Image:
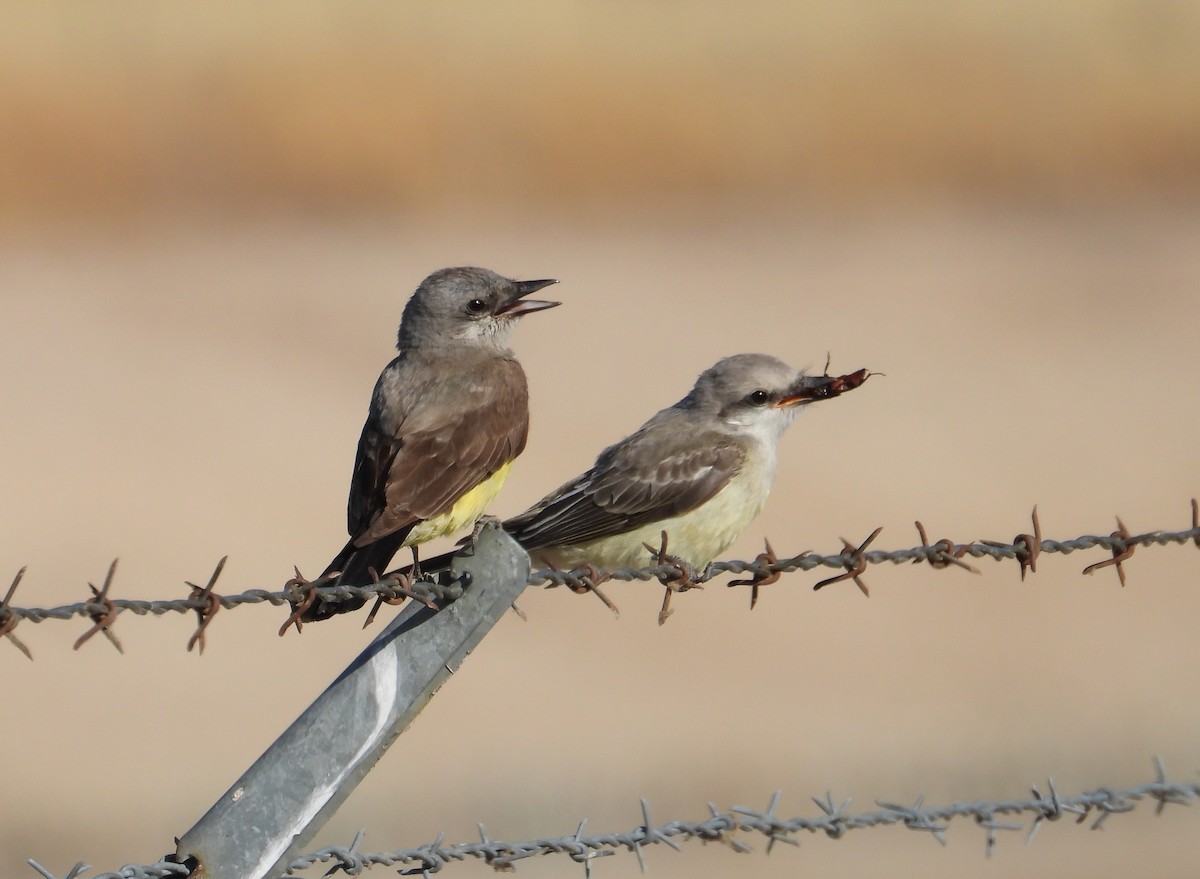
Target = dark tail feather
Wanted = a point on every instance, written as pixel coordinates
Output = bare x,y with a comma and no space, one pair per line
354,563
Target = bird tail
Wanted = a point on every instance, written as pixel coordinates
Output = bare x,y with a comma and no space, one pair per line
354,563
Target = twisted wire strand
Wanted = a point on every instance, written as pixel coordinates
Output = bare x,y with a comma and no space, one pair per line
760,567
835,820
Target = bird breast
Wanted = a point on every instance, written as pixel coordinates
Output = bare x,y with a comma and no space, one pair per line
697,536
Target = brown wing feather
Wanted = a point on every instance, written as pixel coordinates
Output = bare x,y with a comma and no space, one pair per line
628,488
420,472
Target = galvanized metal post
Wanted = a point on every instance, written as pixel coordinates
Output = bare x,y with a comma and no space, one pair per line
269,814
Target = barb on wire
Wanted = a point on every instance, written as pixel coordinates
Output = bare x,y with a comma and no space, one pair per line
765,559
106,615
1121,553
212,604
680,576
855,562
9,618
588,578
943,552
833,821
1026,546
766,568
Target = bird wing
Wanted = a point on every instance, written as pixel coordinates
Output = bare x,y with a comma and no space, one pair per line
449,439
653,475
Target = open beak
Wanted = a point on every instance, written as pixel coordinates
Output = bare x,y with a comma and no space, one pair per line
517,304
796,398
808,388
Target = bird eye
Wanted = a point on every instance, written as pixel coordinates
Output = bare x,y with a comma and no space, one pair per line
477,306
759,397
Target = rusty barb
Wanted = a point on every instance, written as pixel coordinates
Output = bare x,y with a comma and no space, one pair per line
586,579
675,576
211,604
855,562
766,573
1026,547
678,575
1123,547
9,618
105,614
393,587
943,552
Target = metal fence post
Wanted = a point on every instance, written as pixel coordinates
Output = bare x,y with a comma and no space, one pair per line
269,814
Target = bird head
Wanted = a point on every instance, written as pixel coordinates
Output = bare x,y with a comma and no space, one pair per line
467,306
760,394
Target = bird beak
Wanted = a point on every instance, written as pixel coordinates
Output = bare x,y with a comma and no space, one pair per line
518,305
796,398
808,388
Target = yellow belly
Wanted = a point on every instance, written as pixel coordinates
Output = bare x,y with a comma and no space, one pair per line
465,511
697,536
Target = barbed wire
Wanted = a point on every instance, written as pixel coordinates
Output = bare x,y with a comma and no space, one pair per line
835,821
676,576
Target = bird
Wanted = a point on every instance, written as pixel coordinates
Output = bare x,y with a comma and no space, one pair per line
695,474
447,418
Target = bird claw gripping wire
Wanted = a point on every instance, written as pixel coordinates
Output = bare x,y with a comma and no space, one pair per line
684,579
102,619
856,564
212,604
9,619
763,576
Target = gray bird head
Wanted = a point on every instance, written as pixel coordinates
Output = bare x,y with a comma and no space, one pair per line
752,393
467,306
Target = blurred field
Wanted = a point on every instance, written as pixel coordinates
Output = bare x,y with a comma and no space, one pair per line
116,108
195,392
213,218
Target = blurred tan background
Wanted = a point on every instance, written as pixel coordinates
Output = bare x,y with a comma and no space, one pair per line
212,215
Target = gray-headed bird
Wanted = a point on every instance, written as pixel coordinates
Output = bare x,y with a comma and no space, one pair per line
447,418
700,471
